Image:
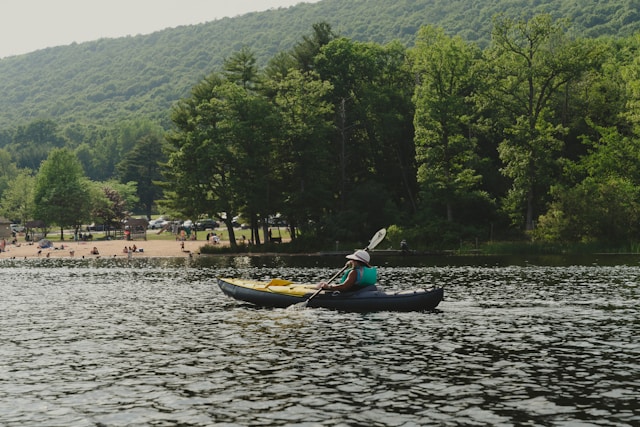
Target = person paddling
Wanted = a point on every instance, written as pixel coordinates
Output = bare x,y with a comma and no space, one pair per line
359,276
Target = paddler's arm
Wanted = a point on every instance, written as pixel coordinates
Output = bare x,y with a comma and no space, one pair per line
344,286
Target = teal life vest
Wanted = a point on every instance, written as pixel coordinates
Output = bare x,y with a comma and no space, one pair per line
366,276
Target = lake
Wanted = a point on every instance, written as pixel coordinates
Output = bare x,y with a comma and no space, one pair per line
543,341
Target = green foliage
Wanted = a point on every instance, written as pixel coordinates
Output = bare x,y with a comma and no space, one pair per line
17,198
373,138
446,154
110,202
8,170
438,235
304,53
199,174
61,194
345,134
603,206
528,64
302,156
31,143
141,165
594,210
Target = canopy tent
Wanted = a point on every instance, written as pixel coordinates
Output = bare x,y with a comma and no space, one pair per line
45,243
136,228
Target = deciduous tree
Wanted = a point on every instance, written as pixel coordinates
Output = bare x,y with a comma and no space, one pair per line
142,166
17,199
302,156
528,63
197,172
444,68
373,140
61,194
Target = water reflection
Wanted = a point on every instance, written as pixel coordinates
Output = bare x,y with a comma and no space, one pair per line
106,342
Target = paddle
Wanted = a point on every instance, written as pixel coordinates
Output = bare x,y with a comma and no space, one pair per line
375,240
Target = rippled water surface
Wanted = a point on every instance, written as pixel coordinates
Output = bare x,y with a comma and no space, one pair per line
155,342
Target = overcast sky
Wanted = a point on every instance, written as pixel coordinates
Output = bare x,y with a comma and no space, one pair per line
28,25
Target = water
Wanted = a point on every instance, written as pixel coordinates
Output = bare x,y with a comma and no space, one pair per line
155,342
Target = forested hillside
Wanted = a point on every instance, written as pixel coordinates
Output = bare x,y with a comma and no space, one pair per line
110,79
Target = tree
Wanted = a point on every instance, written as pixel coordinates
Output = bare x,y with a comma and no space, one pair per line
605,204
8,170
110,202
32,142
142,165
221,148
241,69
197,171
528,63
110,146
61,194
248,126
605,210
630,77
305,52
17,199
446,151
302,154
598,197
373,137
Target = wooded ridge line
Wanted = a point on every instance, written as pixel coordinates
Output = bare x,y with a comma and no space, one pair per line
142,76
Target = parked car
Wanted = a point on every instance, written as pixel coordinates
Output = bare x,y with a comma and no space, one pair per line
206,224
157,223
95,227
17,228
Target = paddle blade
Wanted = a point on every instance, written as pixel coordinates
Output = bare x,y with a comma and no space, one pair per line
377,238
298,306
302,305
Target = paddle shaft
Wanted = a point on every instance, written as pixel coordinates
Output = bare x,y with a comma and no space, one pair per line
329,281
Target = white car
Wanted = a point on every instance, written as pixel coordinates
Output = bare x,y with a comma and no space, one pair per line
157,223
17,228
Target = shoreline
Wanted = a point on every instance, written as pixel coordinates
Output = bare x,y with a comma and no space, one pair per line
106,249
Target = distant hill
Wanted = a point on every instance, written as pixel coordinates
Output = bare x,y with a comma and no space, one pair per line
110,79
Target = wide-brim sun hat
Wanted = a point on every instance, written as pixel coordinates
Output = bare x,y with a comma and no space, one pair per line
362,256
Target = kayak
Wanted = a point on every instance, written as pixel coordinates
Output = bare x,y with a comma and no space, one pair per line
279,293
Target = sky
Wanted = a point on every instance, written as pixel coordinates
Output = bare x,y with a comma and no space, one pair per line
29,25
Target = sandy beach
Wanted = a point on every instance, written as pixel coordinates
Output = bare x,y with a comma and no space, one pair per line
106,249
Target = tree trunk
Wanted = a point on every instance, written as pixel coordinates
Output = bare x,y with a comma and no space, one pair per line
232,236
529,222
